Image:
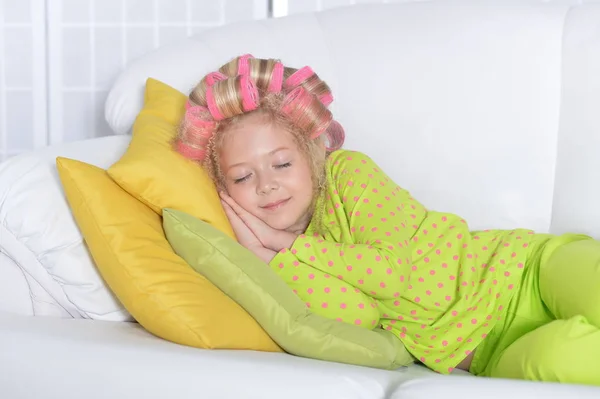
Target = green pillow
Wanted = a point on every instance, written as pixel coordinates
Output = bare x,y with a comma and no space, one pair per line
264,295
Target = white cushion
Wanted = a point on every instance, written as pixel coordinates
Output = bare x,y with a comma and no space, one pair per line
14,292
576,205
121,360
40,237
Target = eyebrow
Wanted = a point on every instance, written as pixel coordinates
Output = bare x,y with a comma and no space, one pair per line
277,150
270,153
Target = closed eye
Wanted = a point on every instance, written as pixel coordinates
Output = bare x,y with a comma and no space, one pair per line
285,165
241,179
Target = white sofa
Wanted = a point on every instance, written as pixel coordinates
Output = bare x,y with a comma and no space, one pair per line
489,112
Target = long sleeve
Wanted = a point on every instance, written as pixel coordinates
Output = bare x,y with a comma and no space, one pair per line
377,219
326,295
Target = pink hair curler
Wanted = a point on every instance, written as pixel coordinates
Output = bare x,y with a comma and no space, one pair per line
298,98
190,152
322,127
243,64
298,77
326,99
249,93
214,77
294,106
212,105
335,136
200,117
276,79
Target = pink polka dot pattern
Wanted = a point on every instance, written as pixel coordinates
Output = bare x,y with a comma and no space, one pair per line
385,261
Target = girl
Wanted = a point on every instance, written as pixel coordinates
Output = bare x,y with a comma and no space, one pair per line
359,249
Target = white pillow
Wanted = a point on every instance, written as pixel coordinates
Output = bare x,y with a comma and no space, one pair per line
40,236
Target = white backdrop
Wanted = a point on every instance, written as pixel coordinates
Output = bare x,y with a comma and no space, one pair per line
58,58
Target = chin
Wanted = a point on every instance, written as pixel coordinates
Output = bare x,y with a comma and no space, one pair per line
280,223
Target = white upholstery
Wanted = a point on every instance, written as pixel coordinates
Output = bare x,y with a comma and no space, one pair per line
490,112
577,179
39,238
74,359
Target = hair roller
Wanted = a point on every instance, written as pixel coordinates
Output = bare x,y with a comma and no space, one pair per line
335,136
189,152
276,82
212,105
298,77
306,112
213,78
231,97
199,117
243,65
195,132
295,100
326,99
198,94
249,93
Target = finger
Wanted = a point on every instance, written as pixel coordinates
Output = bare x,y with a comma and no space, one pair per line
225,204
236,222
255,224
231,202
243,233
249,219
246,216
234,205
231,214
224,195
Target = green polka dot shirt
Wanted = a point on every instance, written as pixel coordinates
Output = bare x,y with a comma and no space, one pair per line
380,259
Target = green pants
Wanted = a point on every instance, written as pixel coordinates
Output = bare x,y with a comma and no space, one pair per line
551,331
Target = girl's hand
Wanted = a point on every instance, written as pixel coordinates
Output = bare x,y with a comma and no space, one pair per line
269,237
265,254
246,237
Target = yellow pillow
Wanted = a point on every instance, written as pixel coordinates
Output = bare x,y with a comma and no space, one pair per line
155,174
158,288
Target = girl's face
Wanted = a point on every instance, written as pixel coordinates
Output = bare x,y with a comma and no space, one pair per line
266,173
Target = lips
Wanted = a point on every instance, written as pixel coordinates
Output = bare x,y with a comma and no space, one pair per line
275,205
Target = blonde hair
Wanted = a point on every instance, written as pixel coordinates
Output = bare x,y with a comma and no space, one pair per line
296,100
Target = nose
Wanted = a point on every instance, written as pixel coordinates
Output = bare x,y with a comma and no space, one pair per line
267,183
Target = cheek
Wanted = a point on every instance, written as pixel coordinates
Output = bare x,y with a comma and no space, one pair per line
303,180
242,194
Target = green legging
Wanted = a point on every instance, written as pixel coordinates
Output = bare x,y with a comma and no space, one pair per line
551,331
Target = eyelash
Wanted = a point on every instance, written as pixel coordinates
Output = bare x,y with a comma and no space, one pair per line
243,179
